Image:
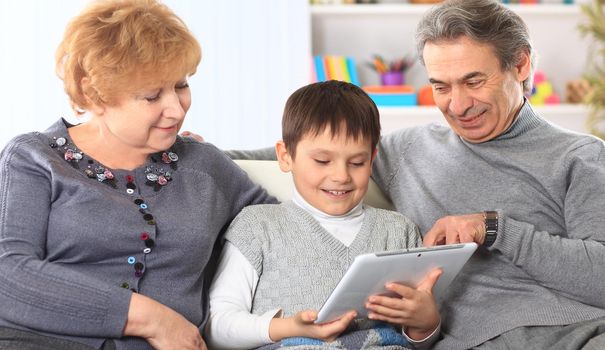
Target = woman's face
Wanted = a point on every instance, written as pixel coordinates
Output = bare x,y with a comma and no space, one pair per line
148,120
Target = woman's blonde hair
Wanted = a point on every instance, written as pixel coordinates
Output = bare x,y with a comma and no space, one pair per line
121,46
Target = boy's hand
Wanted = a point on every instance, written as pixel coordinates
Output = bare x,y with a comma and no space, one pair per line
415,309
301,325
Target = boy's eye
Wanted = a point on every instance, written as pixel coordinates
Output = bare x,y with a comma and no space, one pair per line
322,162
358,164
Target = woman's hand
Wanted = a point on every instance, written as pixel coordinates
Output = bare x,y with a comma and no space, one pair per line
162,327
301,325
415,308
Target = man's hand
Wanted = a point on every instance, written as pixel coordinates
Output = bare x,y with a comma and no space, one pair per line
301,325
192,135
457,229
413,308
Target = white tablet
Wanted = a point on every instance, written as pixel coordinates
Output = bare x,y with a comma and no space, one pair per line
369,273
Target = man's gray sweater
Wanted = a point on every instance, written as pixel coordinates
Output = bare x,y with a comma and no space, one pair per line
547,266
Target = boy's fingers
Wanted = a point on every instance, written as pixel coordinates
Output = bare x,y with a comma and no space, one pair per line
308,316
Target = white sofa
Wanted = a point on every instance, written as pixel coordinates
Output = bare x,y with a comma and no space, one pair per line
279,184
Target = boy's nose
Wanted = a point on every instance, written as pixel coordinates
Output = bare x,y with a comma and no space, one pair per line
341,174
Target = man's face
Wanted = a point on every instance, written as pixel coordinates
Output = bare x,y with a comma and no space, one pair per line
478,99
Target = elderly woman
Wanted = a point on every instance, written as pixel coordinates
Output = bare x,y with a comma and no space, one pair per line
107,227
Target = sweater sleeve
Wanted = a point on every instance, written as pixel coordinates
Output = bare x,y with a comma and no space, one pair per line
238,188
34,292
386,165
573,262
232,325
267,153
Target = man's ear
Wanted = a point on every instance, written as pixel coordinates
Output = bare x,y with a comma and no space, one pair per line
283,157
523,66
87,90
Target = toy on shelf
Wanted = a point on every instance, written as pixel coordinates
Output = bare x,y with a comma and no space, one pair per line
393,73
542,91
392,95
577,91
425,96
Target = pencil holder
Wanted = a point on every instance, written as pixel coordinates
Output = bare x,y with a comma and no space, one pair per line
392,78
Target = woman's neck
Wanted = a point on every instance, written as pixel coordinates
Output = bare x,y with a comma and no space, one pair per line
97,142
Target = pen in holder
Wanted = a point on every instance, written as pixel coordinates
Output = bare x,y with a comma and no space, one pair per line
393,73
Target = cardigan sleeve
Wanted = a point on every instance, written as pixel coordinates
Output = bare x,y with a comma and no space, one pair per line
36,293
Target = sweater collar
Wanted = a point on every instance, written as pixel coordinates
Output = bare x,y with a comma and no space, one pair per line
525,121
319,215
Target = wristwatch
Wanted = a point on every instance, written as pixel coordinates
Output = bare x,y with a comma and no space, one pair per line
491,227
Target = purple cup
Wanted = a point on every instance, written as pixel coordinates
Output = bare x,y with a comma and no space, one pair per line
392,78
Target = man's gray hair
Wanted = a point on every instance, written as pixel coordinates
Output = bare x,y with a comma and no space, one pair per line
484,21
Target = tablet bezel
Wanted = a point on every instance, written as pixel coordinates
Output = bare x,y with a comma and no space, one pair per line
407,266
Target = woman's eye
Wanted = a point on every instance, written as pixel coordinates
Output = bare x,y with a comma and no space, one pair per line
153,98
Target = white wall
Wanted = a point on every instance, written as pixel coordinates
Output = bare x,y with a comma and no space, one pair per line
255,53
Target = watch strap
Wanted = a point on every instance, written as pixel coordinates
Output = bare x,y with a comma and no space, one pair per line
491,227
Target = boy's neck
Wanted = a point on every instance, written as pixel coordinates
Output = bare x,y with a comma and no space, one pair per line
299,200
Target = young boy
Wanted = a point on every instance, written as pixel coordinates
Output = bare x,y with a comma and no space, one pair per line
280,262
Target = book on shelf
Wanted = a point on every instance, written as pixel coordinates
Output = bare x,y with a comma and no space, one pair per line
332,67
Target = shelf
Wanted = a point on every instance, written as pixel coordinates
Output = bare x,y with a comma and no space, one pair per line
405,9
569,116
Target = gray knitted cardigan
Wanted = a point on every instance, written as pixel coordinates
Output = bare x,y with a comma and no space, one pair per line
73,248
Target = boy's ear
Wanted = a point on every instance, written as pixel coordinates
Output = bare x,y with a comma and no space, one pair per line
283,157
373,159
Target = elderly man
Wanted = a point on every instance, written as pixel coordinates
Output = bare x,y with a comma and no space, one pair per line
538,280
531,194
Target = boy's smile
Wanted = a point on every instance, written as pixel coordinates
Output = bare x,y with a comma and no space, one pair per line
330,173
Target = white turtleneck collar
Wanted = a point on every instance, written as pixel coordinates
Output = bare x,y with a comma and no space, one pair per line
343,227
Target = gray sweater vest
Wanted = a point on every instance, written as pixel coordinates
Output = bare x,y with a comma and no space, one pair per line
298,262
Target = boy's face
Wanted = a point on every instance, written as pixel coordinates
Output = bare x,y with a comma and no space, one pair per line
331,174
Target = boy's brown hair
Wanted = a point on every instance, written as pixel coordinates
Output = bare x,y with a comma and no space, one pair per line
335,104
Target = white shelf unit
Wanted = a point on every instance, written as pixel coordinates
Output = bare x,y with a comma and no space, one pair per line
388,29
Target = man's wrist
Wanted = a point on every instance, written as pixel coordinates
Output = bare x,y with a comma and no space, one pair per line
491,227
